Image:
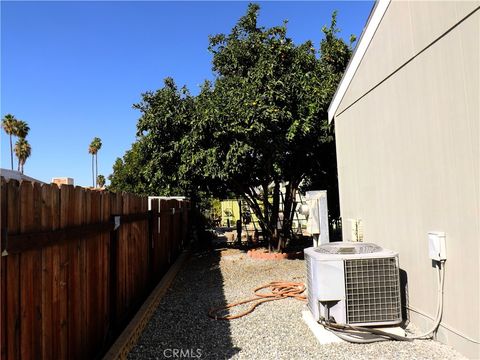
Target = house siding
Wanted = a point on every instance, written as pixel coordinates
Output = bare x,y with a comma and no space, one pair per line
408,154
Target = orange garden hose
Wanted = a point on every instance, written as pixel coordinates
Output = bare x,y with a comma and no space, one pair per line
279,290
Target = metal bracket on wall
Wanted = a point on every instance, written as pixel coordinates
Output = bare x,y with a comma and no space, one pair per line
4,241
116,220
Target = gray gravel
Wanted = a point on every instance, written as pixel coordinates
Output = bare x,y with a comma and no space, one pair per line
180,327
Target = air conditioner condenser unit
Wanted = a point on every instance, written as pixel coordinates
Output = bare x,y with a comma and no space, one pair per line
354,283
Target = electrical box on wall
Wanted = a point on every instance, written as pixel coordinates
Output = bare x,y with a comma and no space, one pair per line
436,245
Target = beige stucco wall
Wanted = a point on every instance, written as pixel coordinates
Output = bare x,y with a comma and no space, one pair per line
409,154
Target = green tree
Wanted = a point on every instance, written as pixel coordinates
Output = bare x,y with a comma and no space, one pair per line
23,151
261,124
101,181
152,165
127,173
335,55
9,125
98,145
21,129
22,147
93,149
268,108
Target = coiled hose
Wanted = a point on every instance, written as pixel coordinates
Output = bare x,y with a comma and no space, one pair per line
279,290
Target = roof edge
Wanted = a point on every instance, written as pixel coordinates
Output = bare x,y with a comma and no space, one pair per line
367,35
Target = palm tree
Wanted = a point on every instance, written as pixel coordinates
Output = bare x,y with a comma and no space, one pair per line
92,150
9,125
101,181
23,151
98,145
21,129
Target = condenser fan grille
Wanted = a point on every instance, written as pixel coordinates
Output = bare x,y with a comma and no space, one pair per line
372,290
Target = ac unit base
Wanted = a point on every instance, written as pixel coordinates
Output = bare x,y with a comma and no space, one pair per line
354,283
325,336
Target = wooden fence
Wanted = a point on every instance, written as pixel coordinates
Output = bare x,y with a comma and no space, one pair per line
76,264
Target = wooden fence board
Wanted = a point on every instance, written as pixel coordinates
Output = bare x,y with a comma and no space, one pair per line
3,315
69,267
13,273
104,253
66,292
46,223
36,275
60,276
172,231
156,266
3,273
127,250
164,234
27,274
81,194
91,275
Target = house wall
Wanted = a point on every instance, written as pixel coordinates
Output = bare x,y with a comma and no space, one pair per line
408,154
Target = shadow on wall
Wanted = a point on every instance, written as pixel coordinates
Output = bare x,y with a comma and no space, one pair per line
404,296
180,327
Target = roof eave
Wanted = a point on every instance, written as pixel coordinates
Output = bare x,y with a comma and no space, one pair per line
362,45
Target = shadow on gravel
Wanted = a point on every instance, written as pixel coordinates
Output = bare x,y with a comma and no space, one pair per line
180,327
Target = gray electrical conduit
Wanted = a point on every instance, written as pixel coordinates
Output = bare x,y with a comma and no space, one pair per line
363,335
448,327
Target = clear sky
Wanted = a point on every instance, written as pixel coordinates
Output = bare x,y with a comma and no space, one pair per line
72,70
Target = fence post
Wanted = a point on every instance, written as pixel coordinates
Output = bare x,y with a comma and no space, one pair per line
181,229
113,279
151,251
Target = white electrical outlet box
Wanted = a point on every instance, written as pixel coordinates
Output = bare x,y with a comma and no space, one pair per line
436,245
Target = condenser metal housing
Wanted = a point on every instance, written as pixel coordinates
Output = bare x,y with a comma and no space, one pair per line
354,283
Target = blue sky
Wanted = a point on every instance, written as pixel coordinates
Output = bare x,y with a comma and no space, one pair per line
72,70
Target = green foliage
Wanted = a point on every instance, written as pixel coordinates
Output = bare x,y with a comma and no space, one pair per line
152,165
214,209
19,128
101,181
262,122
127,173
14,127
9,124
93,149
23,151
94,146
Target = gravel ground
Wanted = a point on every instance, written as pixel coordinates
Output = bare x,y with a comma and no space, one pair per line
180,327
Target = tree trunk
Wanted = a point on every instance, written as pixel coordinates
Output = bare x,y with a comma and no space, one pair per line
96,170
11,151
268,218
275,206
268,213
274,217
253,204
239,225
93,173
288,210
